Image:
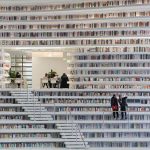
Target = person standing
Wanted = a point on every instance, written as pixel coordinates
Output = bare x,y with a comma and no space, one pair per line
123,105
114,106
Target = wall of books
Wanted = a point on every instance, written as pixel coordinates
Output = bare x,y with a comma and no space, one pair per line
109,54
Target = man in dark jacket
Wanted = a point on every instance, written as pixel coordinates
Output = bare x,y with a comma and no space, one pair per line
123,105
114,106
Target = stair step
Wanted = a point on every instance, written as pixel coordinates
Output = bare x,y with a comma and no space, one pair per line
41,119
71,137
75,146
66,125
32,108
21,92
66,128
25,95
31,102
40,115
76,143
40,111
27,99
72,133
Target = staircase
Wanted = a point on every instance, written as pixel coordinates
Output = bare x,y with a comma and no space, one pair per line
72,136
70,132
38,113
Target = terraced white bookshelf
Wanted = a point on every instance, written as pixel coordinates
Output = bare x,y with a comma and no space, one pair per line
108,47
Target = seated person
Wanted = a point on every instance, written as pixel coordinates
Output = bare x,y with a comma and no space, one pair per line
64,80
18,75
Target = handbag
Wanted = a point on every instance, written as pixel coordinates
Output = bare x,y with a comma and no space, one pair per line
114,107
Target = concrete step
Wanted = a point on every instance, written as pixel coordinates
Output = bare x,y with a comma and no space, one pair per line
71,137
22,95
72,134
40,115
66,125
37,108
76,143
28,102
21,92
41,119
76,146
40,111
27,99
66,128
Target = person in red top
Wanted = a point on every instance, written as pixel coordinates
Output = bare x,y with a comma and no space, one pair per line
114,106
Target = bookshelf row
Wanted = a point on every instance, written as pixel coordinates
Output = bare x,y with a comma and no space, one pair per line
73,42
101,109
14,117
78,79
90,101
25,145
93,117
87,92
116,135
72,5
121,144
109,56
87,26
85,125
74,34
106,50
103,118
79,101
10,109
116,86
23,126
78,108
76,16
115,126
110,72
24,135
91,135
109,64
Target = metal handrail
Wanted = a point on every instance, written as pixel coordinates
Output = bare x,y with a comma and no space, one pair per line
77,127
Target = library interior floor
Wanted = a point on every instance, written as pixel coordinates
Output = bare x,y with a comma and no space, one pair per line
102,46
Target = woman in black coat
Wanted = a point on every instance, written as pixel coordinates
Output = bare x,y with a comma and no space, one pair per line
64,80
114,106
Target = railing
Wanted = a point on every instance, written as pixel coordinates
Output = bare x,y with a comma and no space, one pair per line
77,130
